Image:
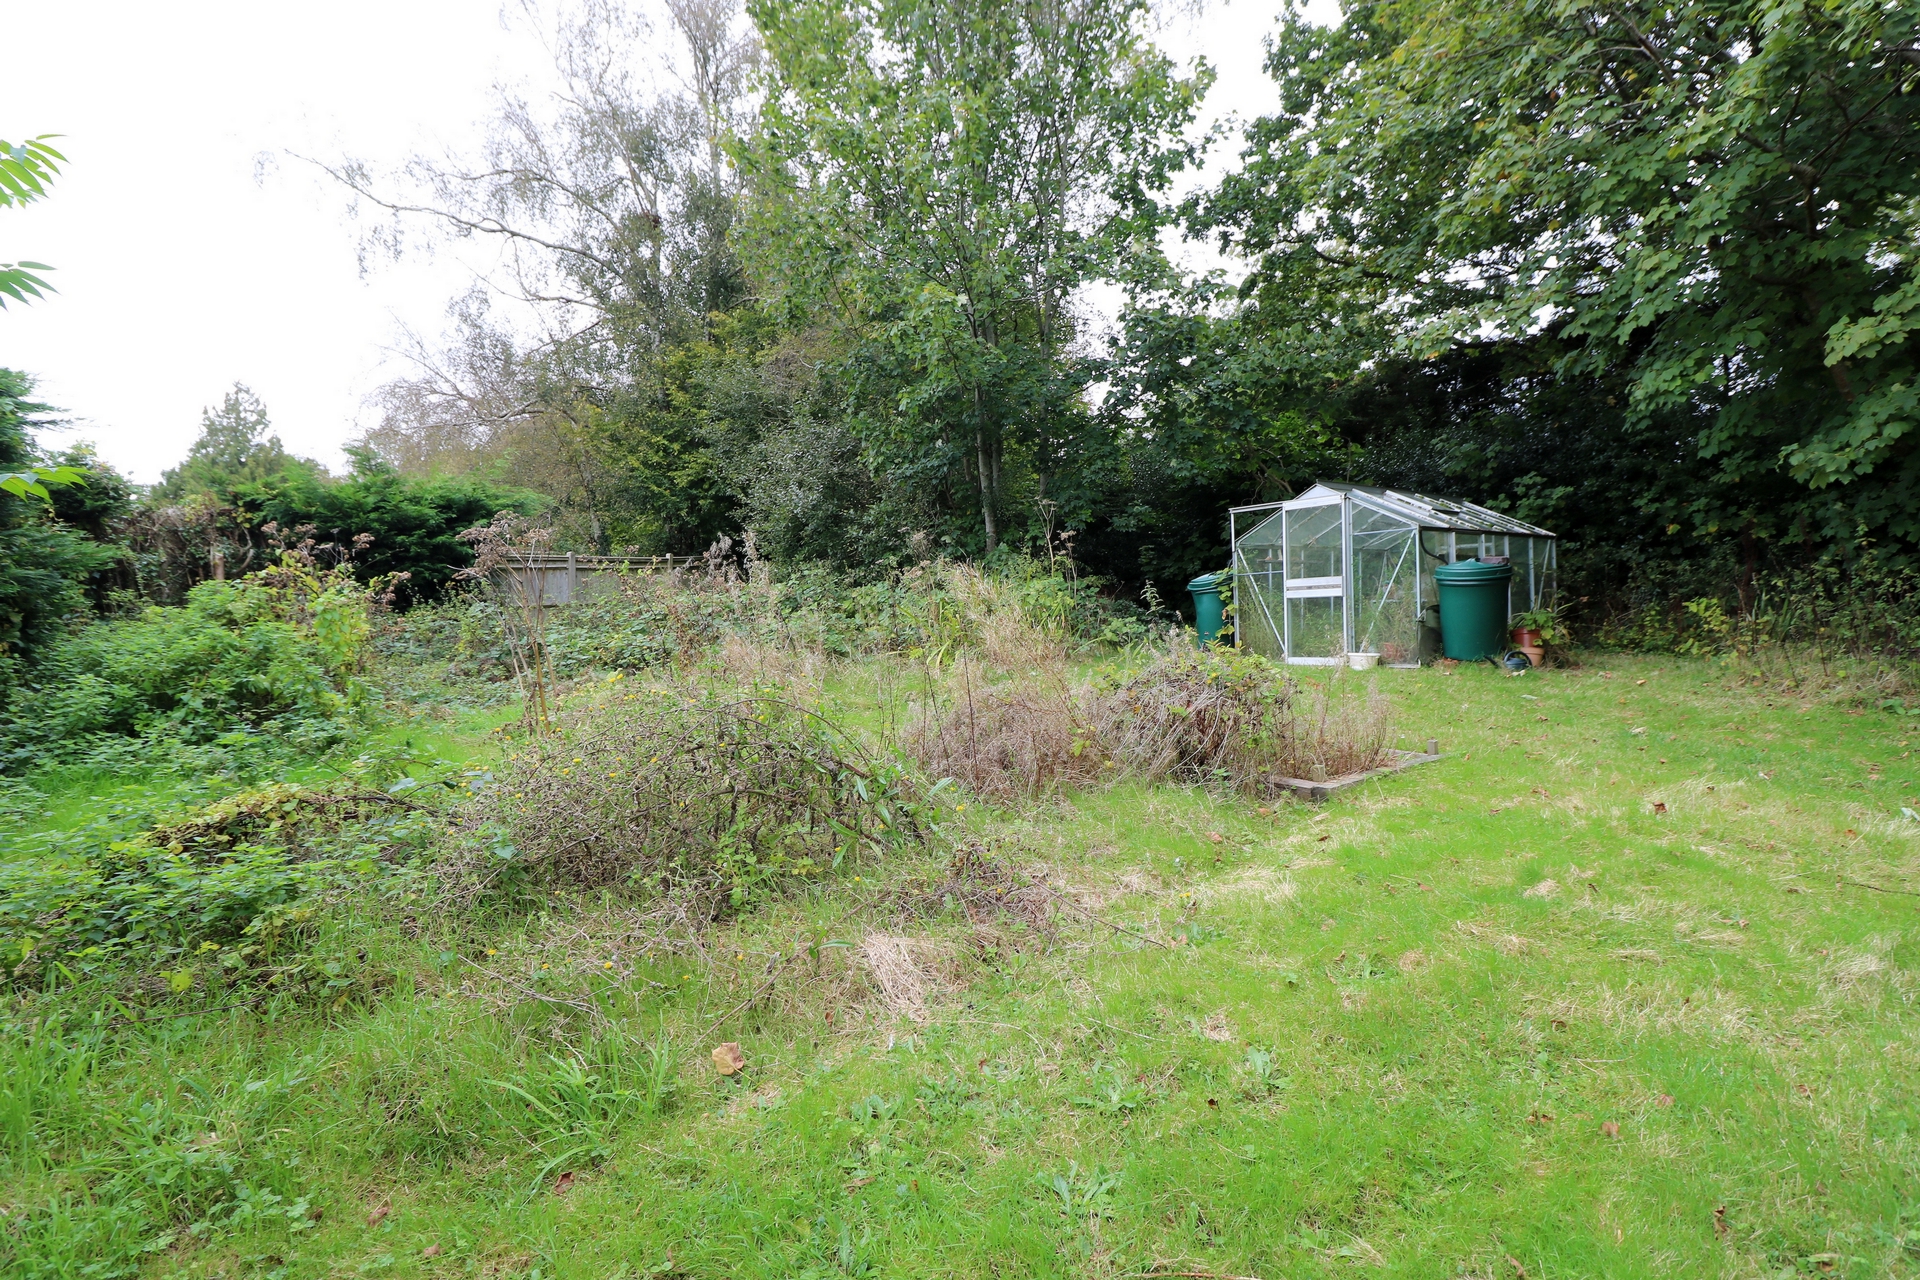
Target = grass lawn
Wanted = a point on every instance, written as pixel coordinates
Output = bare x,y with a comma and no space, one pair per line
1602,993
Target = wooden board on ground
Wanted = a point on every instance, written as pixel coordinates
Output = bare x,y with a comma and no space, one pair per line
1315,792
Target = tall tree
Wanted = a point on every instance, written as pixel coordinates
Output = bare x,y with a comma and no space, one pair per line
1715,202
236,445
943,177
612,203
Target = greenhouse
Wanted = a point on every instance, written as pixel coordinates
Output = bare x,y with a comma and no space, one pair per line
1348,569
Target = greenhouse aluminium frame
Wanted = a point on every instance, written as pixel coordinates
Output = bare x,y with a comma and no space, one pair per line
1347,568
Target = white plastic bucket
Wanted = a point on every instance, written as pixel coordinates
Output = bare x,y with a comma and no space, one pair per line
1363,661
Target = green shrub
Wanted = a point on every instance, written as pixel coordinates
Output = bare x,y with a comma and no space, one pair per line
275,653
414,525
224,892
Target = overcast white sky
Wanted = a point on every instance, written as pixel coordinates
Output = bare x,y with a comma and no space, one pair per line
192,250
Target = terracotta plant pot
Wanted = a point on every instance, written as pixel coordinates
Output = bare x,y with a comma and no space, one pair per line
1527,641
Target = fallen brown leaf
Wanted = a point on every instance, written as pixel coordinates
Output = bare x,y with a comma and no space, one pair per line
1664,1100
1609,1128
1720,1227
562,1183
1215,836
431,1251
379,1215
1660,806
728,1059
1520,1272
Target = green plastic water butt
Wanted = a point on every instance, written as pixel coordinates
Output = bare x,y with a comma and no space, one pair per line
1209,613
1473,609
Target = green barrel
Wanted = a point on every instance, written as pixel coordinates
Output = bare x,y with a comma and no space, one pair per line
1209,615
1473,609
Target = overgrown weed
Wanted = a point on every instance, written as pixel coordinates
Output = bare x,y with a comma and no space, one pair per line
1021,739
1220,717
713,796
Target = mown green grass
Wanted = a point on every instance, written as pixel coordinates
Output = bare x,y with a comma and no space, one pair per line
1310,1041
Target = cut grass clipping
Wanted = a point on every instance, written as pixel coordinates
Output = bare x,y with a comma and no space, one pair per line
714,798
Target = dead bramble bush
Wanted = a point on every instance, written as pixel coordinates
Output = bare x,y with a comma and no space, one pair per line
715,797
1013,741
1223,717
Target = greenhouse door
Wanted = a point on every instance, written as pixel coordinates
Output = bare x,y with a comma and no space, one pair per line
1316,582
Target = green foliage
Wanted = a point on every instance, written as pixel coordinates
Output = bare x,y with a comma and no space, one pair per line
27,168
234,447
275,653
940,178
230,892
1704,210
44,564
414,525
1206,410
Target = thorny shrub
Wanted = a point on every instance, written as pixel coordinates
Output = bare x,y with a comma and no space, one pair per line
1224,717
1023,738
275,654
718,797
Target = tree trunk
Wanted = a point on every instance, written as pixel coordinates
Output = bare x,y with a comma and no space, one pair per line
987,468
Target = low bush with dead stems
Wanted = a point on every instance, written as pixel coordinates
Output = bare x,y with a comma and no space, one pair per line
713,796
1215,717
1222,717
1019,739
1196,716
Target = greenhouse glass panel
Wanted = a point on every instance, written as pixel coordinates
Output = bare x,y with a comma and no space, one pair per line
1313,542
1385,565
1316,627
1259,565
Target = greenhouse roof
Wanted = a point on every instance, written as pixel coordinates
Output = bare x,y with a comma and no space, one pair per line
1425,511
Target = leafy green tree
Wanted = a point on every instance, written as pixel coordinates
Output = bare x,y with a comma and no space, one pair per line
27,168
1716,205
44,565
942,178
414,525
1206,409
235,446
612,204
